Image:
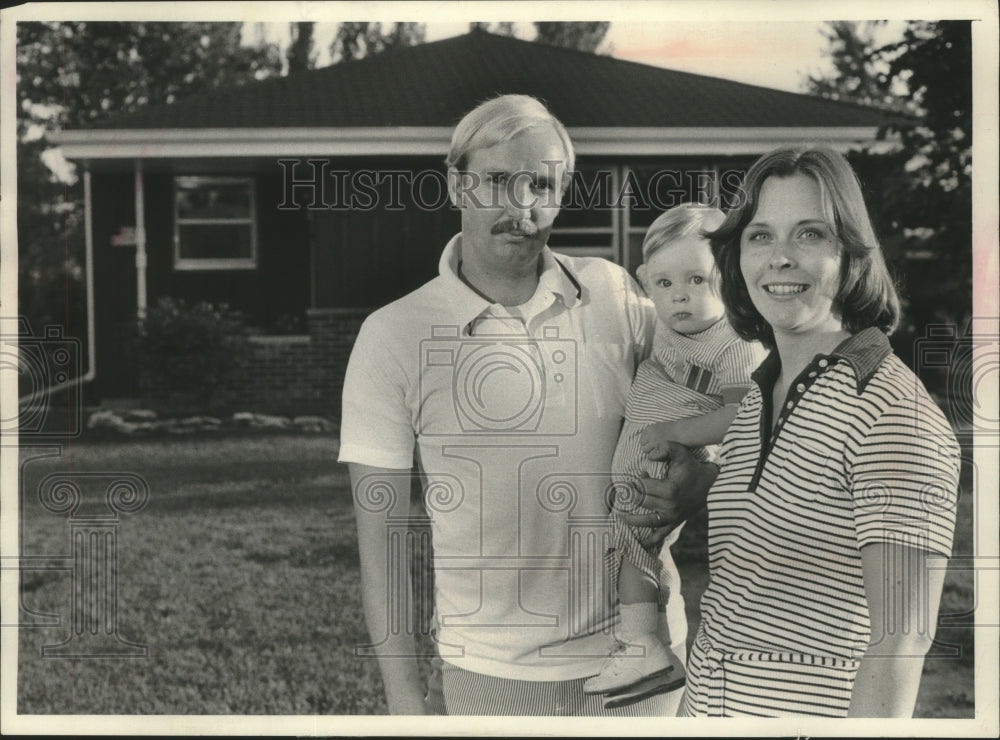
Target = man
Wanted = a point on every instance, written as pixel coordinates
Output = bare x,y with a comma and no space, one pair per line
506,376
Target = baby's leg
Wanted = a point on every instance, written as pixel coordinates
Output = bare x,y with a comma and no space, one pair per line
643,665
639,597
636,587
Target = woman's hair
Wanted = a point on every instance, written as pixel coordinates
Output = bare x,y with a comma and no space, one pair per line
501,119
867,294
677,223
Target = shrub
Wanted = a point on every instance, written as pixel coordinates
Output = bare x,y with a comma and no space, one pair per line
187,353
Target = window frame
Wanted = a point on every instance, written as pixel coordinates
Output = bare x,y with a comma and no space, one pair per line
612,250
215,263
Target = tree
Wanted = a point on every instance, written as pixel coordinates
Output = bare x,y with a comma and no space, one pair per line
71,74
918,176
585,36
355,40
300,54
90,70
861,73
503,28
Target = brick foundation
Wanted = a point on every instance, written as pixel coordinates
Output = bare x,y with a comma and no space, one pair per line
290,375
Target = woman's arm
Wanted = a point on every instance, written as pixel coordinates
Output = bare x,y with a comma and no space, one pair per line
903,589
904,481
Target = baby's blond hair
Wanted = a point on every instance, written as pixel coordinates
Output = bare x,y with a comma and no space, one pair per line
678,222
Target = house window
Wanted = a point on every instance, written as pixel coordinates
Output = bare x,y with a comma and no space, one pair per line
587,225
214,225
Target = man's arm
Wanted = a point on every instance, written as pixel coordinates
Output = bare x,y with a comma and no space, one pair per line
903,594
378,494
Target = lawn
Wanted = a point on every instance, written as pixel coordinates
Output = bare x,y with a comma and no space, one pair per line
241,577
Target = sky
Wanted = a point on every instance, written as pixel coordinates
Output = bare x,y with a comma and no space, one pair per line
776,54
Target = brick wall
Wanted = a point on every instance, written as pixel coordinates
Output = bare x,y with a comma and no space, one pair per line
332,332
301,375
288,375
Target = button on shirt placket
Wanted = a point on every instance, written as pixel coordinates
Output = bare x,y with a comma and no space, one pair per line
797,390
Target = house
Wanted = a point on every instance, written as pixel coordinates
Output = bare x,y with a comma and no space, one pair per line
307,201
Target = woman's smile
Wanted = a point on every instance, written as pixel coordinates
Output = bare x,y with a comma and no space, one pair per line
785,289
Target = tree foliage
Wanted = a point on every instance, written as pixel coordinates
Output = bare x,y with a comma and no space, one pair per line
918,175
860,72
70,75
355,40
90,70
503,28
585,36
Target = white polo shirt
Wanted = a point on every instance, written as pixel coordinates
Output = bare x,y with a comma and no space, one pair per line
513,415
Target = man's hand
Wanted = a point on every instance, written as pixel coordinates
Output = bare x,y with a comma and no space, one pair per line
675,498
406,702
656,438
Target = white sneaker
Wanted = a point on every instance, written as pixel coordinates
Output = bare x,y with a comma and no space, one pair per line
643,657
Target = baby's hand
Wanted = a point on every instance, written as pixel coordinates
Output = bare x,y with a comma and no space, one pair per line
655,439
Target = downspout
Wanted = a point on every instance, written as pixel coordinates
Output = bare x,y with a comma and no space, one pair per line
88,238
140,244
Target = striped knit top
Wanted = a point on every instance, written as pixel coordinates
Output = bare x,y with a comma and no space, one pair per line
859,454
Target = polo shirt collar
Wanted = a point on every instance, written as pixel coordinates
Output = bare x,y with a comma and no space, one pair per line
863,351
767,372
559,280
556,278
467,304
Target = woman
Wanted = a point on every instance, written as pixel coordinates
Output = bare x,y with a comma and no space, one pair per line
839,474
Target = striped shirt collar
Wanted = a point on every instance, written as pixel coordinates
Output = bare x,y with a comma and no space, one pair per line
556,278
710,341
863,351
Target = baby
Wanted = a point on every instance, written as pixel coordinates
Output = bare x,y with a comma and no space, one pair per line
687,391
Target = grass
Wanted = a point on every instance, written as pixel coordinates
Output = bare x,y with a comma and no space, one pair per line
241,576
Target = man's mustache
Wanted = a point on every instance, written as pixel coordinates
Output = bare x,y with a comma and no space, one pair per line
523,226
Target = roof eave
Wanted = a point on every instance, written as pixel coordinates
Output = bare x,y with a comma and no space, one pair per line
720,141
101,144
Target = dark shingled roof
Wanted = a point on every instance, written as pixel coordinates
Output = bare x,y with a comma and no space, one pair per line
435,84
